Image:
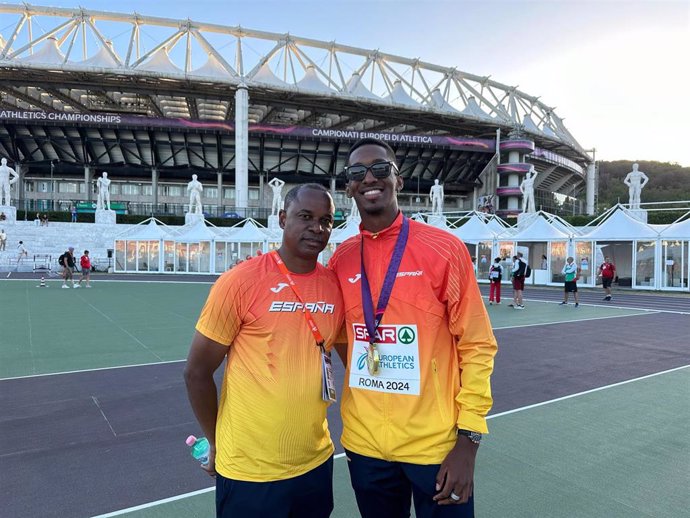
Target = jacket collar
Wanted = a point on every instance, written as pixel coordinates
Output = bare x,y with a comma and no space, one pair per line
391,231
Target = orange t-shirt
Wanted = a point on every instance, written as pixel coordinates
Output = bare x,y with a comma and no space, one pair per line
271,418
435,341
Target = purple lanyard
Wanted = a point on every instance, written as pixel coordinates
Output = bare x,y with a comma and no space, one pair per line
371,319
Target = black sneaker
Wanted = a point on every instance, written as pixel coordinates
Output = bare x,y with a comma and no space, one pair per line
577,304
511,305
563,304
607,298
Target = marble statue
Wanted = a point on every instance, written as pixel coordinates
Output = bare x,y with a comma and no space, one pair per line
103,201
354,212
436,198
527,190
277,187
8,177
194,188
635,180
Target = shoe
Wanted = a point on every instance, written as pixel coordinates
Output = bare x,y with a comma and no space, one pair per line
607,298
76,286
88,286
491,303
563,304
498,302
577,304
522,306
65,286
511,305
519,307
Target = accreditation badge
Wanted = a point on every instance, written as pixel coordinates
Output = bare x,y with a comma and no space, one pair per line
391,364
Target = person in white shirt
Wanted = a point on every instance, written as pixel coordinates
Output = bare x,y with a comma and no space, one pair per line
571,274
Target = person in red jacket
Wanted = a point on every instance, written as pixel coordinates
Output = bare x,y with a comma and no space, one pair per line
85,264
607,272
419,353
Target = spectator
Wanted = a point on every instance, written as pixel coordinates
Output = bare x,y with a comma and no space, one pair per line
571,274
21,253
44,220
544,263
518,274
2,216
3,240
85,263
66,260
37,219
607,271
495,278
74,214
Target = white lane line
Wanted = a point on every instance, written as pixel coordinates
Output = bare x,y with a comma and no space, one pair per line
598,389
575,321
31,336
98,405
91,370
171,499
599,305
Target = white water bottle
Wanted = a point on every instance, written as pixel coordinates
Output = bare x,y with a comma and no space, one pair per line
200,448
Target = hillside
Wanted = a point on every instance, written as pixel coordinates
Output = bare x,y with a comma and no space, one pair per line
667,182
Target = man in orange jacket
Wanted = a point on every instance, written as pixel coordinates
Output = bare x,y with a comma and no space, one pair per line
419,353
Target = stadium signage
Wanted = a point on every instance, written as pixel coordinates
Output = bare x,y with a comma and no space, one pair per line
60,116
473,144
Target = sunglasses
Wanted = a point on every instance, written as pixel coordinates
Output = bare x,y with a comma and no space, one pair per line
380,170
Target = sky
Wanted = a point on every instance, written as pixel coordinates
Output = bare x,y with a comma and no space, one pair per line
617,71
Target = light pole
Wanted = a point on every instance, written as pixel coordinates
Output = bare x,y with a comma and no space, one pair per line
418,200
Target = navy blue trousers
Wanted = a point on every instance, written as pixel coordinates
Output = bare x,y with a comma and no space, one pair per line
385,489
307,496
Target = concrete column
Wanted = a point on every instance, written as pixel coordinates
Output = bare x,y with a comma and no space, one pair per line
20,183
513,157
219,184
591,187
242,149
88,178
154,188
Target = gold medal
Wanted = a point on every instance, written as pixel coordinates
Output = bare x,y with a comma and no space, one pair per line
373,360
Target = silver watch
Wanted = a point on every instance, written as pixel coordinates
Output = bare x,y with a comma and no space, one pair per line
475,437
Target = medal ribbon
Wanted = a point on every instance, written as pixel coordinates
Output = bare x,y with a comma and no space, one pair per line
307,314
371,319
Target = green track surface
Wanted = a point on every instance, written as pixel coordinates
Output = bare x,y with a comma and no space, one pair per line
47,330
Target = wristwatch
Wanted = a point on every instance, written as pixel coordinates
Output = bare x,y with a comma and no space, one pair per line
475,437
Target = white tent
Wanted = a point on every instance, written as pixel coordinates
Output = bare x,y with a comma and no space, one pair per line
538,230
474,230
620,226
239,242
139,249
678,230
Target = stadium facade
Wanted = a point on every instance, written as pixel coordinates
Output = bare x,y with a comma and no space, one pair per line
153,100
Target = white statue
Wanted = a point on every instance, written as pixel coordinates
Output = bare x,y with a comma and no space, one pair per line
635,180
8,176
354,211
436,198
103,201
277,186
527,190
194,188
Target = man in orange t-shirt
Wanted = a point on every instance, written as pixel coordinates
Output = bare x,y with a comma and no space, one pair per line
271,451
417,393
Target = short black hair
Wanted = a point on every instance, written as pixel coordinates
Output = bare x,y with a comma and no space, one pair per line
369,141
294,193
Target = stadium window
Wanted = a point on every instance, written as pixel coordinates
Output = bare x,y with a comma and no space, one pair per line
211,192
229,193
174,190
29,186
253,194
67,187
147,190
114,188
130,189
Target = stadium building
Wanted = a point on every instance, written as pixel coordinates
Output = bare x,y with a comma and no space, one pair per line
152,100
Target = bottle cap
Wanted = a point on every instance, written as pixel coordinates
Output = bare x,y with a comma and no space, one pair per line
190,440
